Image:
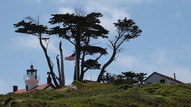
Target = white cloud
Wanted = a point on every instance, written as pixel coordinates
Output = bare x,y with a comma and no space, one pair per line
64,10
28,43
112,10
109,2
3,87
59,1
158,61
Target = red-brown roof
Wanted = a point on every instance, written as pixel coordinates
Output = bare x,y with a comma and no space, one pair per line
40,87
20,91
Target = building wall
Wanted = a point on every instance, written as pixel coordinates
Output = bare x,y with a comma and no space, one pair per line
31,84
155,78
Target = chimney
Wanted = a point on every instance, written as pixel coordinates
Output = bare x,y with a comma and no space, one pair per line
49,79
15,88
174,76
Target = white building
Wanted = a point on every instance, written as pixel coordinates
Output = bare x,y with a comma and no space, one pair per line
31,82
156,77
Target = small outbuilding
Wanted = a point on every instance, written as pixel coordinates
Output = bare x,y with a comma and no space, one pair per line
156,77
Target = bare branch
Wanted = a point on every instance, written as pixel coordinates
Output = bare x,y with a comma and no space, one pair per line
80,12
32,20
58,65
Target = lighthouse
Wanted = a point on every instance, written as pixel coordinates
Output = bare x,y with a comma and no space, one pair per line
31,80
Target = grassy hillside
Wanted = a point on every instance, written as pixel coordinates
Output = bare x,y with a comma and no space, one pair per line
96,94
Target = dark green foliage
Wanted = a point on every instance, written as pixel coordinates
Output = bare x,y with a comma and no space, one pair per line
108,78
141,77
96,94
80,30
78,84
126,78
125,86
30,28
33,27
130,77
120,81
90,50
92,64
74,24
128,28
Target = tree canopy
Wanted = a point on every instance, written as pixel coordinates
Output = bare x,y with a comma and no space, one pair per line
32,26
126,30
80,29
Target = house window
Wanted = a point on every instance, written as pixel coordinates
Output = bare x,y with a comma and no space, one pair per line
162,81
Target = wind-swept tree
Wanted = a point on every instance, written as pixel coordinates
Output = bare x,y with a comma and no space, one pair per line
80,30
31,26
130,77
126,30
141,77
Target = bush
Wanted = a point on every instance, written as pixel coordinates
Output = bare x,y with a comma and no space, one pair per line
125,86
78,84
119,82
97,94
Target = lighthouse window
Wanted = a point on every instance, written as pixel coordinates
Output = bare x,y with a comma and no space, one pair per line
27,87
31,73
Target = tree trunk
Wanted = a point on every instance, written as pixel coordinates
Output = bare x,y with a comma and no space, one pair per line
107,64
58,66
74,73
77,58
82,67
62,66
48,61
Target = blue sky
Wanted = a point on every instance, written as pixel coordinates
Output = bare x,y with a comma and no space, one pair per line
164,45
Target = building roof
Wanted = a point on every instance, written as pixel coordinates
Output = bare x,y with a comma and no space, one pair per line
44,86
40,87
20,91
31,69
167,77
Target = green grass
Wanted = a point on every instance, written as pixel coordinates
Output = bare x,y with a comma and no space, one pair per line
96,95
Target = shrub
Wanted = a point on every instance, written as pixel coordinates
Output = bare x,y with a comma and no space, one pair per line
124,86
78,84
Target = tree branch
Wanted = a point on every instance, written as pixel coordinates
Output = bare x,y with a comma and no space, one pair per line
62,65
48,61
58,66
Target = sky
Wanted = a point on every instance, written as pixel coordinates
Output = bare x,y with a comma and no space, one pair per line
164,45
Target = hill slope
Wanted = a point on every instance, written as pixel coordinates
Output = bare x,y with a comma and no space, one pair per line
96,94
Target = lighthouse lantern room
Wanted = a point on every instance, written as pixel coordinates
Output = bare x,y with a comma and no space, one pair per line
31,80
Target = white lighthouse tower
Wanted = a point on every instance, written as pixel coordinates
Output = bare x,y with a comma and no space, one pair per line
31,80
